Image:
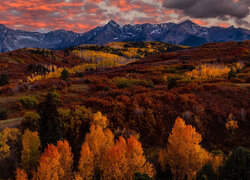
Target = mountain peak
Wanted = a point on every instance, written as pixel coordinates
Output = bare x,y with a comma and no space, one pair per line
187,22
2,26
231,27
112,23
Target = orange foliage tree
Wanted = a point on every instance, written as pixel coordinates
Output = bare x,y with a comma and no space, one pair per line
101,157
21,174
56,162
66,158
231,123
124,159
86,163
184,154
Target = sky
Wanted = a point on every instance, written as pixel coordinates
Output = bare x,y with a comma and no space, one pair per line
83,15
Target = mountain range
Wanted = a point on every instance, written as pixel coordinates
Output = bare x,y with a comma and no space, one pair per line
186,33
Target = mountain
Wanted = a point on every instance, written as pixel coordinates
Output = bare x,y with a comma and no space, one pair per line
185,33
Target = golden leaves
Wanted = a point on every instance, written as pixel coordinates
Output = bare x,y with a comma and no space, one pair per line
55,163
21,174
111,160
208,71
30,153
184,154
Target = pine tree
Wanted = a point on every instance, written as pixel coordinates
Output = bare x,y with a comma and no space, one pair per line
50,130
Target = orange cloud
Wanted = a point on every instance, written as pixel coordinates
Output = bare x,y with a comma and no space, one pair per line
223,24
200,22
77,16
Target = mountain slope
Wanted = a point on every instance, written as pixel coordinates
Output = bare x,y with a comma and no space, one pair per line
185,33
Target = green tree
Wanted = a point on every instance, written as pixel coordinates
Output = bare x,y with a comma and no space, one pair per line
172,83
3,114
139,176
30,121
4,79
50,130
207,172
237,165
28,102
65,75
231,74
75,123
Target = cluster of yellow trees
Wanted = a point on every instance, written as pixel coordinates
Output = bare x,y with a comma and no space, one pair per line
231,123
133,51
208,71
107,59
56,73
96,60
101,156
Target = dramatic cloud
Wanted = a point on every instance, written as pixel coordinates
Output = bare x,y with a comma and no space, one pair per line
221,9
83,15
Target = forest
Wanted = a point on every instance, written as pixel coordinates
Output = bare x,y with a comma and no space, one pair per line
126,110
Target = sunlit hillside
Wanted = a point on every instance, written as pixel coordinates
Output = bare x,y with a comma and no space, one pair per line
129,110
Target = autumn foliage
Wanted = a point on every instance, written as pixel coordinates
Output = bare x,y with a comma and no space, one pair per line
184,154
21,174
31,151
102,157
56,162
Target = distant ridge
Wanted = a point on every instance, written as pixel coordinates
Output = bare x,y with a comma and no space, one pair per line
185,33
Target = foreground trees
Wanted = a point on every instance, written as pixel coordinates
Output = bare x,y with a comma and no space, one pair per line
103,158
31,151
10,146
237,165
56,162
184,154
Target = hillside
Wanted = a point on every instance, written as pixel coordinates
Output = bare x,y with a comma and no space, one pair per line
130,96
16,63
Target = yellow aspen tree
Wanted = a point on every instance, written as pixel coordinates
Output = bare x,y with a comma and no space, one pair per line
184,154
100,120
98,140
86,163
115,162
49,165
30,153
66,159
136,158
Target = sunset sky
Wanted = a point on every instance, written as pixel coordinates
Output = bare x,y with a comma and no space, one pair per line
83,15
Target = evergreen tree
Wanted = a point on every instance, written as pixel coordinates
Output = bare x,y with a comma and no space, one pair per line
65,75
4,79
237,165
50,130
139,176
207,172
172,83
231,74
